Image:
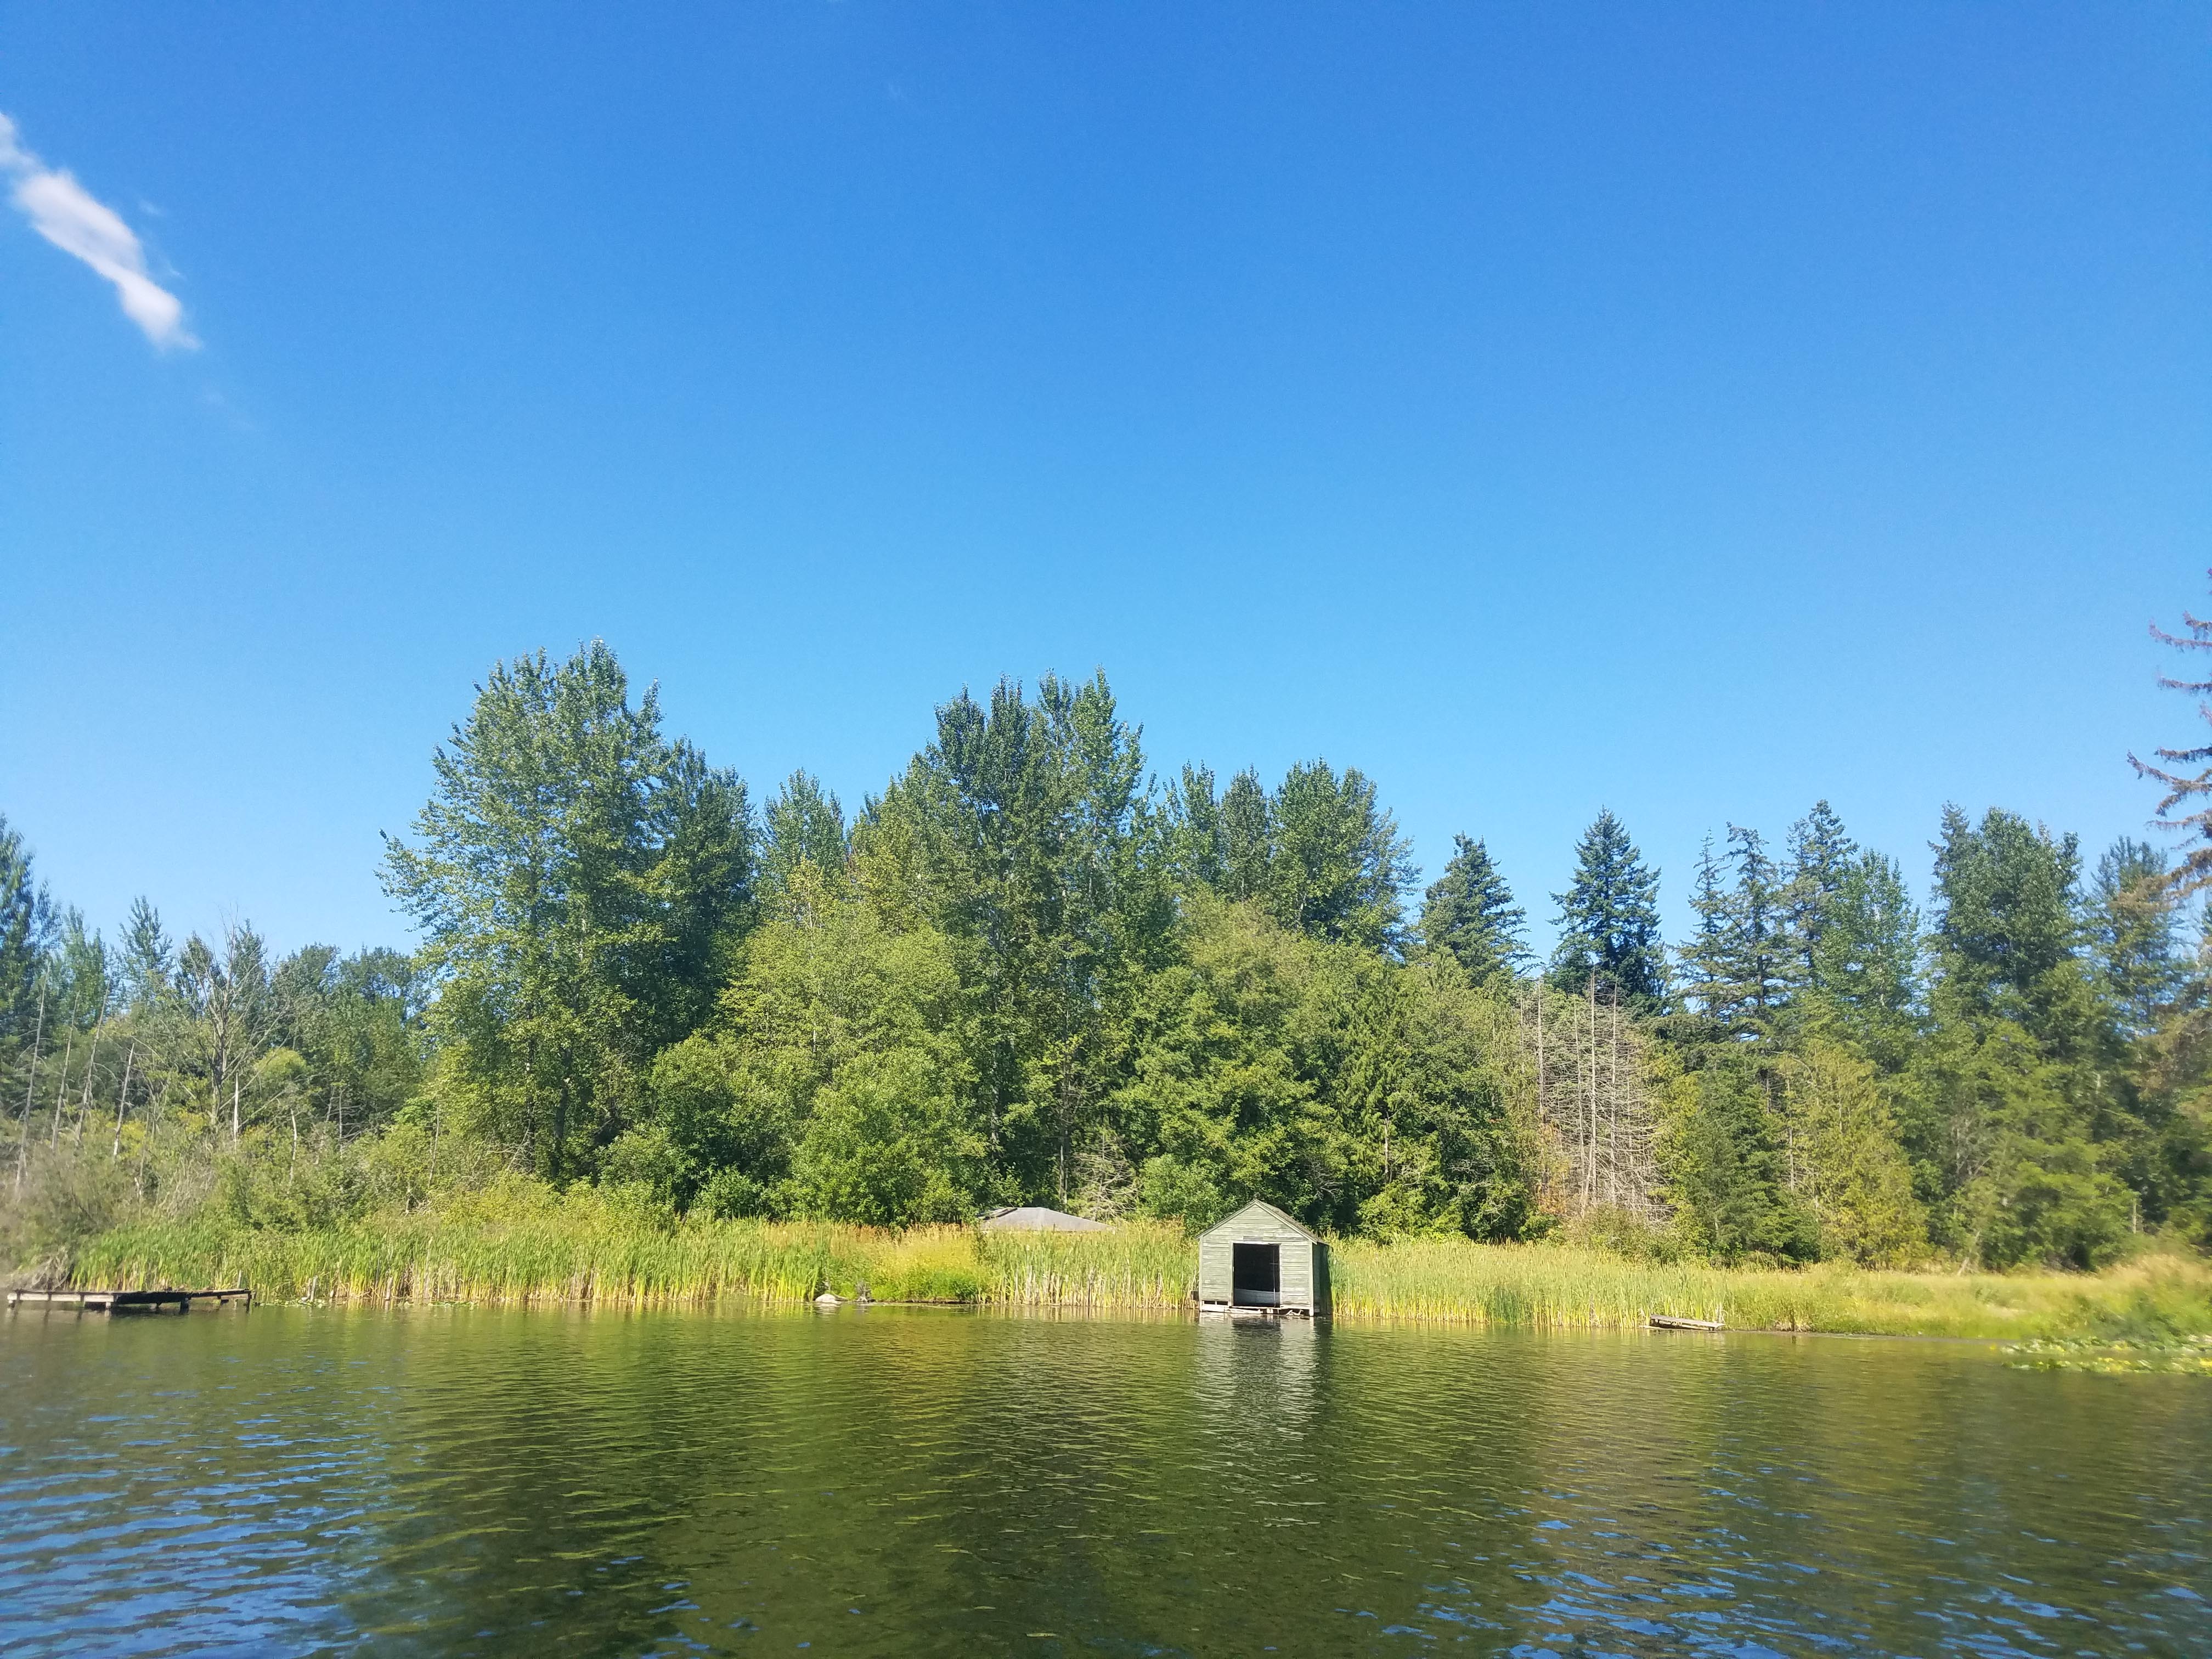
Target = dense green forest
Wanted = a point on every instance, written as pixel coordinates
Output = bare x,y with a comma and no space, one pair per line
1034,970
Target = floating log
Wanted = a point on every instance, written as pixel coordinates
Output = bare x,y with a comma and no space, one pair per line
125,1301
1676,1322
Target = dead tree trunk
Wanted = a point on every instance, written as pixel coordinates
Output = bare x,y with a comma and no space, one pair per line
84,1099
61,1094
122,1101
1589,1128
30,1083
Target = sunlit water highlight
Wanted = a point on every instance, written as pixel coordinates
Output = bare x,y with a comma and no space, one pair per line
912,1482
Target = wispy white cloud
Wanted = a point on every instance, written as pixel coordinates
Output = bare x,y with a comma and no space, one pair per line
63,212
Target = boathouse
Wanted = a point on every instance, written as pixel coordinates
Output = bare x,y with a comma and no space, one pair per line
1261,1258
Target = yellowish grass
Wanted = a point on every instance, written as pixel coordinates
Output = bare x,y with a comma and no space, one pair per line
1559,1286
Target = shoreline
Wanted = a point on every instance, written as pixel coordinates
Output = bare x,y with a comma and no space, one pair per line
570,1259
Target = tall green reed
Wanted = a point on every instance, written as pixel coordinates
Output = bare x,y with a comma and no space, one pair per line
589,1252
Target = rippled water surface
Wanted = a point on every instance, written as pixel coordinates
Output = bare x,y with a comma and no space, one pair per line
896,1482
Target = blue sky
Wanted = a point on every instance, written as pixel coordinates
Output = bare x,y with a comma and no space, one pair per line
1693,410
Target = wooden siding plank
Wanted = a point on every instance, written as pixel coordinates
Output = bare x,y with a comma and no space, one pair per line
1216,1269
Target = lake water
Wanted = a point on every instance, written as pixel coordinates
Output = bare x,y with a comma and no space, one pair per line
889,1481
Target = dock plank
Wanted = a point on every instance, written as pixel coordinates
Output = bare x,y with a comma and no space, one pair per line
93,1300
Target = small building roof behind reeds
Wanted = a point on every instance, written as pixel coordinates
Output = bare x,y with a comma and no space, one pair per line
1035,1219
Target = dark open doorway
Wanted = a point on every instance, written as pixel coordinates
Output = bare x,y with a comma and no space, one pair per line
1257,1274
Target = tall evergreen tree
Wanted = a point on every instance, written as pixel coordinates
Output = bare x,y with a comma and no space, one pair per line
1704,958
27,932
83,977
145,959
2133,935
2006,1096
1757,951
1866,988
700,897
1821,856
1468,912
2005,927
1608,920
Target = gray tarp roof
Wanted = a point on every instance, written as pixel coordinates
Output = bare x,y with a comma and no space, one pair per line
1035,1219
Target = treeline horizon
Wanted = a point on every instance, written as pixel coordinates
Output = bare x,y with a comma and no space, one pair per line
1032,970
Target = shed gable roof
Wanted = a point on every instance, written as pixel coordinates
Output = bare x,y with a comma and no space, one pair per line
1258,1208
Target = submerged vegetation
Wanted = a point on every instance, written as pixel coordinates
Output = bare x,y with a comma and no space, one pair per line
2186,1356
658,1042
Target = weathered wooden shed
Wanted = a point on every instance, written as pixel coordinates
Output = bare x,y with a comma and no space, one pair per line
1261,1258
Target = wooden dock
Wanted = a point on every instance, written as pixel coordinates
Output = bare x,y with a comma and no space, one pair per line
124,1301
1676,1322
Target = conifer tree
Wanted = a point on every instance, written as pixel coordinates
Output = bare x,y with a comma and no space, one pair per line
2006,928
1821,856
1468,912
1846,1161
1704,958
82,974
1757,948
1866,988
2133,924
1739,964
2003,1107
145,958
27,927
1608,920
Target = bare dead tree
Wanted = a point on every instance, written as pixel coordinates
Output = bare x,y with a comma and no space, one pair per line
122,1101
84,1099
61,1093
1589,1071
1598,1129
2186,788
30,1083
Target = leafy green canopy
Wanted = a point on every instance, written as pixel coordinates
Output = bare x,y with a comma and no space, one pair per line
1027,971
581,883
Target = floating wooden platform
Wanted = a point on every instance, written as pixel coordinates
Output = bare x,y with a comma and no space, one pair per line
1674,1323
124,1301
1252,1310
